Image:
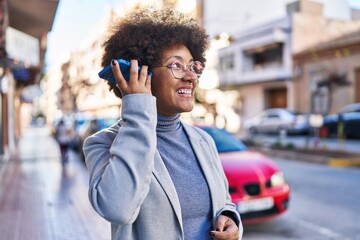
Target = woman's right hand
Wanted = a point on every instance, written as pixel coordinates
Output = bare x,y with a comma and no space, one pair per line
138,83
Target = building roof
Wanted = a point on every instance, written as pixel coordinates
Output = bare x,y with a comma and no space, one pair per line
346,40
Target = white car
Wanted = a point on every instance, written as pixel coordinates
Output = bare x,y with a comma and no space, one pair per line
274,120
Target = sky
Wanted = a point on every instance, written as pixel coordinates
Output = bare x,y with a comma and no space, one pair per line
75,20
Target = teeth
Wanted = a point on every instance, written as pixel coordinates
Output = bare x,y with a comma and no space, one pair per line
184,91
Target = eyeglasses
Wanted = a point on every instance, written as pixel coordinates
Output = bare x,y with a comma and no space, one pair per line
178,69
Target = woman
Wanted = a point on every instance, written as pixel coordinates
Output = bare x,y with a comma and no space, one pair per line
152,176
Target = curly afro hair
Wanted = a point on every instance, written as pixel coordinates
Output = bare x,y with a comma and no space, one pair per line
144,34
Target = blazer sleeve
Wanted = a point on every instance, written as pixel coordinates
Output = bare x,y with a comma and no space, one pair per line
120,161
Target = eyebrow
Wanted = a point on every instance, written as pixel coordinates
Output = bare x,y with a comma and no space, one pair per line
178,58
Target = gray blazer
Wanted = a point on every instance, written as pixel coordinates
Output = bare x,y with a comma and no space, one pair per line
129,184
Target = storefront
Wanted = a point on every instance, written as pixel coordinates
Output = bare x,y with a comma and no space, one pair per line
23,30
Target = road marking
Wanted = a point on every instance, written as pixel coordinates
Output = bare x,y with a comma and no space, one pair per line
344,162
321,230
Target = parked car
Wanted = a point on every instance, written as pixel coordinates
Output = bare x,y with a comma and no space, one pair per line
350,116
274,120
256,184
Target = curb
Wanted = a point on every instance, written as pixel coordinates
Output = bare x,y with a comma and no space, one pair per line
330,158
344,162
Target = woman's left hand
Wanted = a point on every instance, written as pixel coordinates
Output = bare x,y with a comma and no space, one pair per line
225,229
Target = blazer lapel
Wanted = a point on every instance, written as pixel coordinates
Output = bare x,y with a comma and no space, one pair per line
162,175
202,155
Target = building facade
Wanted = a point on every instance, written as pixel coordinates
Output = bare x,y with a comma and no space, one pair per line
73,89
258,65
328,75
23,32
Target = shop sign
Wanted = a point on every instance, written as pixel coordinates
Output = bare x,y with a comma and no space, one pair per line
23,47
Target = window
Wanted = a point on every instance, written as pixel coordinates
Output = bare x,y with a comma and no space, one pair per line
265,57
226,62
273,116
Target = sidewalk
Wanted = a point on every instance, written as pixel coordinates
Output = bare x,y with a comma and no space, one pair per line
38,200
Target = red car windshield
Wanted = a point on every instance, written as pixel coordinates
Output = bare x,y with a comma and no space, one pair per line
224,141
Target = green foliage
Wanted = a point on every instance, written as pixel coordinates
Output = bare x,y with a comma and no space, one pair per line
280,145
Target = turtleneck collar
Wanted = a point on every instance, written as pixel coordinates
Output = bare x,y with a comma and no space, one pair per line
168,123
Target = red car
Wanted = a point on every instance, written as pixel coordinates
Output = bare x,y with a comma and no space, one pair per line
256,185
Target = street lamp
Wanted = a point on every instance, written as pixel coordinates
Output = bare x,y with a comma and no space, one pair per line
316,121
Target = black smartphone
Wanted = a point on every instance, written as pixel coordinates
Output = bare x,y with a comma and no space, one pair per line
108,75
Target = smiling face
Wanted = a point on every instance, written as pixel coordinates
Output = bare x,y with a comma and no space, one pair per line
174,95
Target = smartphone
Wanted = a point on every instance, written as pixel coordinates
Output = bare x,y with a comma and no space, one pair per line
108,75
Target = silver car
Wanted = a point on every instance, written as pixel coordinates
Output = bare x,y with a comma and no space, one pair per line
274,120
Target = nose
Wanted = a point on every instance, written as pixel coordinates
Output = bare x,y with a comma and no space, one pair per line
190,76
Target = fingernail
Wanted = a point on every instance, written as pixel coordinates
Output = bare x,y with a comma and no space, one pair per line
113,62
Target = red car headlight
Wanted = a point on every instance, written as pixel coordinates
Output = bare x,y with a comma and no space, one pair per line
277,179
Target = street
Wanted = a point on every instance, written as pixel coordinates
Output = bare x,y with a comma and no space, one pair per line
324,204
39,200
